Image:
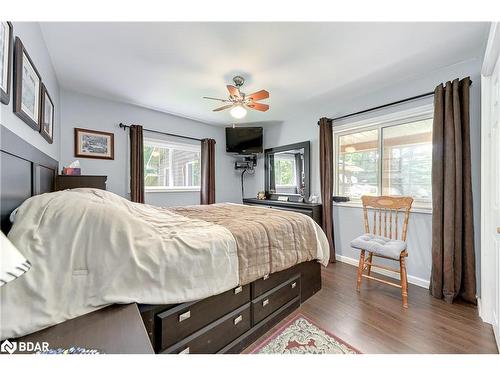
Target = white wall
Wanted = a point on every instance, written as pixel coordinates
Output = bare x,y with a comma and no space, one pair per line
84,111
301,126
31,36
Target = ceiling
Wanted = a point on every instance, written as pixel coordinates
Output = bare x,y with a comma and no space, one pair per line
170,66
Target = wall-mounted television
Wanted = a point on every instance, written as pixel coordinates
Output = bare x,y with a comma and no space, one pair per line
244,140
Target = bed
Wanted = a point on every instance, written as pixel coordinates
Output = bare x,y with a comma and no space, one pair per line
207,278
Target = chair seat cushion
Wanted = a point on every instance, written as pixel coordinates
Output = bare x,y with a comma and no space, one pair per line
379,245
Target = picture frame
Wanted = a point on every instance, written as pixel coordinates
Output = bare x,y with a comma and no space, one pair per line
27,87
94,144
47,112
5,60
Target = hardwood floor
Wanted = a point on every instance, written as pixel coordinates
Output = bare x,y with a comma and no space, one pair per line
374,320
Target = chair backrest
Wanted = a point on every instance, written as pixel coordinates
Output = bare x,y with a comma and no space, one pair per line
380,205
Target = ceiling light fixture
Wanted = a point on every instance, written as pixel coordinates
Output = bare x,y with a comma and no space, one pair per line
238,112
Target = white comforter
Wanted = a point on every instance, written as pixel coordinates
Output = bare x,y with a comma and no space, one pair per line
90,248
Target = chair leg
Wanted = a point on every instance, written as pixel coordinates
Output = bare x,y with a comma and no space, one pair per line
404,282
360,269
369,269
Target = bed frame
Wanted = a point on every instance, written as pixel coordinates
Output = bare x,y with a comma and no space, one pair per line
226,323
25,171
231,321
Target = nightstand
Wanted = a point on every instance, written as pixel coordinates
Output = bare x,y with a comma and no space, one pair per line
64,182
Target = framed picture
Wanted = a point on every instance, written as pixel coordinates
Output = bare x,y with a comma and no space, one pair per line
5,58
94,144
27,87
47,116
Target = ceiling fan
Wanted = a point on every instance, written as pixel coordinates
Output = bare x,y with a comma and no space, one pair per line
239,101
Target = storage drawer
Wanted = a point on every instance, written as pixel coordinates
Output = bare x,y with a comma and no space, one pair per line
181,321
298,210
271,301
271,281
216,335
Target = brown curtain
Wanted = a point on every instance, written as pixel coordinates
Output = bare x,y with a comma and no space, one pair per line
207,192
453,260
326,175
136,164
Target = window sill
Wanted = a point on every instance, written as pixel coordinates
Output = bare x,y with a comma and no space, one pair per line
180,190
418,210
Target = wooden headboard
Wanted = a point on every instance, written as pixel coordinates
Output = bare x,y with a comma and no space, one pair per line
25,171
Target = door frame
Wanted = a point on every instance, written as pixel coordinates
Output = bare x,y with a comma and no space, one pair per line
487,299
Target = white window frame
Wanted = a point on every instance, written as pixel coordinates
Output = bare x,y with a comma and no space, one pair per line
178,146
379,122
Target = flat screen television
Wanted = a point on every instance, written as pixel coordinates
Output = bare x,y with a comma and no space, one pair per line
245,140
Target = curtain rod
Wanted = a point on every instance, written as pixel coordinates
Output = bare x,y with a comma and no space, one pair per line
382,106
385,105
164,133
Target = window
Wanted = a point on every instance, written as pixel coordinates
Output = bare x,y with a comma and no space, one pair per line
192,170
358,164
391,157
170,166
407,164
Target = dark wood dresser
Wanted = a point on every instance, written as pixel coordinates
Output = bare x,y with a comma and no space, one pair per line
310,209
64,182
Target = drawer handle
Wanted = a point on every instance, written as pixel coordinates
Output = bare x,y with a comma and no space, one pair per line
185,316
265,277
238,319
294,284
265,302
238,290
185,351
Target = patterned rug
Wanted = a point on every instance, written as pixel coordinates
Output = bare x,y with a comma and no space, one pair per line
300,335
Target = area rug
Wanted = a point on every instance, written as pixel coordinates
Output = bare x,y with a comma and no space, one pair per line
300,335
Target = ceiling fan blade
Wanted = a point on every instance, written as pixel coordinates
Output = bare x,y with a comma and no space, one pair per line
233,91
258,106
220,100
259,95
222,108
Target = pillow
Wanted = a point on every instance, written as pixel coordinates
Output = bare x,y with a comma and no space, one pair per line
12,263
13,214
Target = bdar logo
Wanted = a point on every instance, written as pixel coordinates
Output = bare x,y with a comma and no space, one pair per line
9,347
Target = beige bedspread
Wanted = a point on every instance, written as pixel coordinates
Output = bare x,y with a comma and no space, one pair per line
267,240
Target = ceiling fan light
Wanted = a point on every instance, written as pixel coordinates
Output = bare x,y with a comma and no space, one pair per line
238,112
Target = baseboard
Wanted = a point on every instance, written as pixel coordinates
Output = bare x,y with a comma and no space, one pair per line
411,279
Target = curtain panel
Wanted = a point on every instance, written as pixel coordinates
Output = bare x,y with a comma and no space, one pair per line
136,164
326,176
207,191
453,259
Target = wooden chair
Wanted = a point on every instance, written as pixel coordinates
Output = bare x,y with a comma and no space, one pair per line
382,241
